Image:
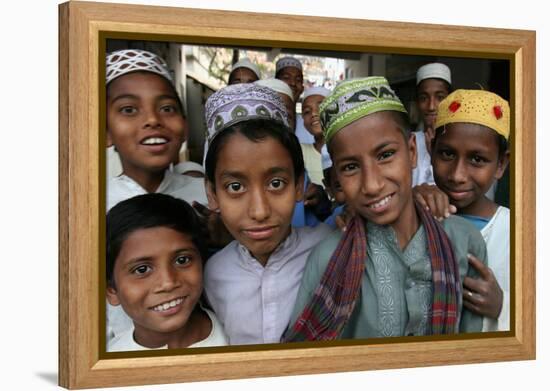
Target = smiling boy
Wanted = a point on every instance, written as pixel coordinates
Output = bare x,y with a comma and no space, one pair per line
154,272
400,269
243,71
145,123
255,172
310,113
433,84
289,70
470,153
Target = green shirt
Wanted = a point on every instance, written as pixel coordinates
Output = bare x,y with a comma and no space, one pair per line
396,290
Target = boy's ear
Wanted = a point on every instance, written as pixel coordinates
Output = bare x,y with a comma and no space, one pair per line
299,188
112,296
412,149
502,164
211,195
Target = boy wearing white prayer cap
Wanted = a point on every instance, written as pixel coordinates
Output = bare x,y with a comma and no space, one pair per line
310,113
244,71
433,84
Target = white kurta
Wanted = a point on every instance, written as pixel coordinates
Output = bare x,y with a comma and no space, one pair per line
423,172
497,237
184,187
254,302
125,342
312,162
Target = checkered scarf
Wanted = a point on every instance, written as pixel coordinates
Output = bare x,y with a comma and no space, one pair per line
334,298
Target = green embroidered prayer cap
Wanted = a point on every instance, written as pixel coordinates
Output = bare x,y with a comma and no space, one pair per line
354,99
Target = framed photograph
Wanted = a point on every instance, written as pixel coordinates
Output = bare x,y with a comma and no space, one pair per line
499,60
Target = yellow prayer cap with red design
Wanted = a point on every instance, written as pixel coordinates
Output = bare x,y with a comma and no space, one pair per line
477,107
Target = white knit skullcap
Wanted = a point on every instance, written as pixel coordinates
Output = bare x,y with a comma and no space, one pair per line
277,86
316,91
246,63
434,70
284,62
125,61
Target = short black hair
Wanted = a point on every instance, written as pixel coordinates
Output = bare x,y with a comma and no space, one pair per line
150,211
501,140
256,130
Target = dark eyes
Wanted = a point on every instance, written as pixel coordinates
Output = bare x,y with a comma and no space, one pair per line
127,110
141,269
234,187
169,109
450,155
237,188
276,184
478,160
386,154
145,269
446,154
349,167
182,260
132,110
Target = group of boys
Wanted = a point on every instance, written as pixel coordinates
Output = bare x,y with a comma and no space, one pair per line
393,270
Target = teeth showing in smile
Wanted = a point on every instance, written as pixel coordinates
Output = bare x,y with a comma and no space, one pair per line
168,305
380,203
154,141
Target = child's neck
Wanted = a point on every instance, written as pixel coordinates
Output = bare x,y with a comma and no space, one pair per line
483,207
406,225
150,181
264,258
193,331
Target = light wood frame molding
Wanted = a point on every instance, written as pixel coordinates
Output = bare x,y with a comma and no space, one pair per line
84,27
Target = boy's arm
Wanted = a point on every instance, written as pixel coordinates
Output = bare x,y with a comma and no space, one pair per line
482,295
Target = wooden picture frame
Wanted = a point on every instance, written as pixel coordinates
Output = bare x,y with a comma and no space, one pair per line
83,30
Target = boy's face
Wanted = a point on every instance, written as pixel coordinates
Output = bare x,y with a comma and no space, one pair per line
429,93
256,192
144,122
310,113
158,278
466,163
242,75
294,78
374,165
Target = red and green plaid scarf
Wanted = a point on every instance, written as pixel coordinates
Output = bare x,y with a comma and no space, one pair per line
334,299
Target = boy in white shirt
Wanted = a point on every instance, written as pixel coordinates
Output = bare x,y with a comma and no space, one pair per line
155,252
255,171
